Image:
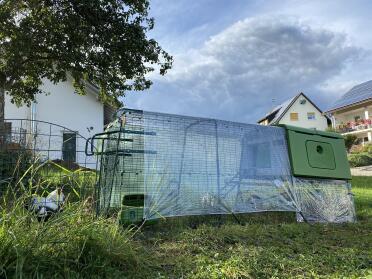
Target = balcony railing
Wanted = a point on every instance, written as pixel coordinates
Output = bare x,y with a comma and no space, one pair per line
359,125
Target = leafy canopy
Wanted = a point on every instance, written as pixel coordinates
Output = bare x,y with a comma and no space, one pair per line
99,41
350,140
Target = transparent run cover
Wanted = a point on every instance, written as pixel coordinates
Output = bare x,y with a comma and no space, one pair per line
324,201
204,166
196,166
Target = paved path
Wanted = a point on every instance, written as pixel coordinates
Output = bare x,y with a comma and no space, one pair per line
362,171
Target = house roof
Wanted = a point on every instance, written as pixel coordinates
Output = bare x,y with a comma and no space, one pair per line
359,93
92,87
278,112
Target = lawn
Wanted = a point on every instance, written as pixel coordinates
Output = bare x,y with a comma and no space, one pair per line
270,245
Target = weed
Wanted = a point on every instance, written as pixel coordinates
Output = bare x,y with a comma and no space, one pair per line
75,244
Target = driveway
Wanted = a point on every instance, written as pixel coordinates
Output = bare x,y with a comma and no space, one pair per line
362,171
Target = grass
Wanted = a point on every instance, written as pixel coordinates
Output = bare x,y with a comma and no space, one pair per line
271,245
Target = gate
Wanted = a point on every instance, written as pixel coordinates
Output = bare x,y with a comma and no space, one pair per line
40,155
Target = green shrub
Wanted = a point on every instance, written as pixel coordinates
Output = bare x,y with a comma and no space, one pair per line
367,148
350,140
360,159
356,149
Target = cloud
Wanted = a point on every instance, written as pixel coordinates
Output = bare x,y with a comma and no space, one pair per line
236,73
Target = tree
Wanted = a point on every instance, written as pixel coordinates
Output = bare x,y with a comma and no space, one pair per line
99,41
350,140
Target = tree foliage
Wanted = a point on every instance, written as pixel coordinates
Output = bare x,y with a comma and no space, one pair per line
350,140
104,42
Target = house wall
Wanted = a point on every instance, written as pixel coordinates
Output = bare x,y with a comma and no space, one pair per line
64,107
347,116
350,114
319,123
11,111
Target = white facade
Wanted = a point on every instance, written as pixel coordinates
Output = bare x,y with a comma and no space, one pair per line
354,120
352,113
298,111
83,114
303,109
63,107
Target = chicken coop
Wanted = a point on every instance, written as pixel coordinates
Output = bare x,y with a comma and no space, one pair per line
156,165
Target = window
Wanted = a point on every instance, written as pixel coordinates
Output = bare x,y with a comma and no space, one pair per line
293,116
311,115
69,147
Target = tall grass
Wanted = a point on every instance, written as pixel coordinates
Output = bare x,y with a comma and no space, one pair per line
77,244
73,243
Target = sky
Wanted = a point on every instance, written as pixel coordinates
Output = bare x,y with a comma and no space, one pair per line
237,59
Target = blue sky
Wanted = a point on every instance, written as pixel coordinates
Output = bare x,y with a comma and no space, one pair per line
237,59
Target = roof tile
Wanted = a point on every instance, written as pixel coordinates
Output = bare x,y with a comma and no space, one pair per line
356,94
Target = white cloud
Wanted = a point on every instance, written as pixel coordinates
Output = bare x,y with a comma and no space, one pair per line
236,73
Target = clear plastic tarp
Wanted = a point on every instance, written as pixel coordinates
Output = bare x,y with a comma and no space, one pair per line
324,200
195,166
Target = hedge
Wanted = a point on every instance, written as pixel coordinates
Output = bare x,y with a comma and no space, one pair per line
360,159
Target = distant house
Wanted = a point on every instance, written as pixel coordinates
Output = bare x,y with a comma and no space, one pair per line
298,111
351,114
82,115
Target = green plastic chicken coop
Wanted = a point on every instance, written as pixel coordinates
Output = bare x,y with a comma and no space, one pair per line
155,165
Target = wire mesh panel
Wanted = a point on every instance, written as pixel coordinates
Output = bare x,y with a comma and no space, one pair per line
184,165
121,161
44,155
206,166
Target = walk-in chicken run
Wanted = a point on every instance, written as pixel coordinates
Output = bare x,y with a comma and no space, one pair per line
155,165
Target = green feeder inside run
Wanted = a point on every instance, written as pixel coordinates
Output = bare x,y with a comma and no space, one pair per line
317,154
132,209
132,212
130,215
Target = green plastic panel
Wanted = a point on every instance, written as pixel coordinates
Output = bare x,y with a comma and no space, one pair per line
131,215
317,154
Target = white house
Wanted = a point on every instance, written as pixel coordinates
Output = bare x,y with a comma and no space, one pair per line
82,115
298,111
352,113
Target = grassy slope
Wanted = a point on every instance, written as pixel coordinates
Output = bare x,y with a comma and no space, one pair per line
277,249
269,245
